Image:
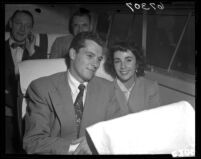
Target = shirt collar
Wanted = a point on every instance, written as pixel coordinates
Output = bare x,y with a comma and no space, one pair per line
74,83
123,87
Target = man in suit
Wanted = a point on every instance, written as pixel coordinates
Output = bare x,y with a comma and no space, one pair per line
80,21
52,120
20,46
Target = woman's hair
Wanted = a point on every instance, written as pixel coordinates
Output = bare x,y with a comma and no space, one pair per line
125,46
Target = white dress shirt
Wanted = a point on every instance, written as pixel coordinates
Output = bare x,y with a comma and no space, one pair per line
17,54
74,84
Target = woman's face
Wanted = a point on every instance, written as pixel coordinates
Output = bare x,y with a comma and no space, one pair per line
125,65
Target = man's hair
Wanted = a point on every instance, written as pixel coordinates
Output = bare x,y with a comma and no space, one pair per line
125,46
79,42
25,12
81,12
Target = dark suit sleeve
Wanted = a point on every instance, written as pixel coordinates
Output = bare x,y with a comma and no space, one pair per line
41,50
38,123
55,50
39,54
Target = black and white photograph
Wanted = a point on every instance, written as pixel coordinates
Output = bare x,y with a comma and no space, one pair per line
101,78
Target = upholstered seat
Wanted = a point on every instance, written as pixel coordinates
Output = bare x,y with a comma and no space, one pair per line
30,70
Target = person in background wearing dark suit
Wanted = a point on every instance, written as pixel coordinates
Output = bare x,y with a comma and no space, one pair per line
62,105
20,46
133,91
80,21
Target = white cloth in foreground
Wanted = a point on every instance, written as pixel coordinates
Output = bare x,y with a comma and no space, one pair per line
161,130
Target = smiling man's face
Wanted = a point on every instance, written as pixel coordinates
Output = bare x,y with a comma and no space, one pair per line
21,26
86,61
80,24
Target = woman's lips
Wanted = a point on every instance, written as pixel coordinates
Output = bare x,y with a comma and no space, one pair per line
124,72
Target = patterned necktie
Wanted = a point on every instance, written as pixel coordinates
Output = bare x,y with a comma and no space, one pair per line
15,45
79,107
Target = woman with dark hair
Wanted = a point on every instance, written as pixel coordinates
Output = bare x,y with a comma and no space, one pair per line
133,91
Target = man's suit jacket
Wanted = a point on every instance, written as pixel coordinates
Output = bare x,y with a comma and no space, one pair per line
50,122
10,79
60,47
144,95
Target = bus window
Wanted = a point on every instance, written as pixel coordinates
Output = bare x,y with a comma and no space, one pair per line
103,29
185,58
120,27
171,40
125,26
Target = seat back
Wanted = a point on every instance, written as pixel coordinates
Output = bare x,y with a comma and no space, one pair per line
30,70
51,38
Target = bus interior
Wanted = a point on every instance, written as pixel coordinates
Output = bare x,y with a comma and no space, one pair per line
165,31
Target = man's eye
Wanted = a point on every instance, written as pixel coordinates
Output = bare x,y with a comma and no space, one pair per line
129,60
116,61
85,25
18,23
100,59
90,56
29,26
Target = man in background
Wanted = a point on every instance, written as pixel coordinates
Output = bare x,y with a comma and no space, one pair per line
80,21
20,46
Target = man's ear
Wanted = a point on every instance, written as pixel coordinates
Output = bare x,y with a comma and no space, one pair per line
72,54
91,27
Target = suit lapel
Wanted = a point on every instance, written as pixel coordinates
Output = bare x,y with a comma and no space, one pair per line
89,107
9,60
93,110
63,104
25,55
136,99
120,98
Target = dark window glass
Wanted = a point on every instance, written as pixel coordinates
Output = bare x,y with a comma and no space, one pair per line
120,27
103,25
126,27
185,58
163,33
